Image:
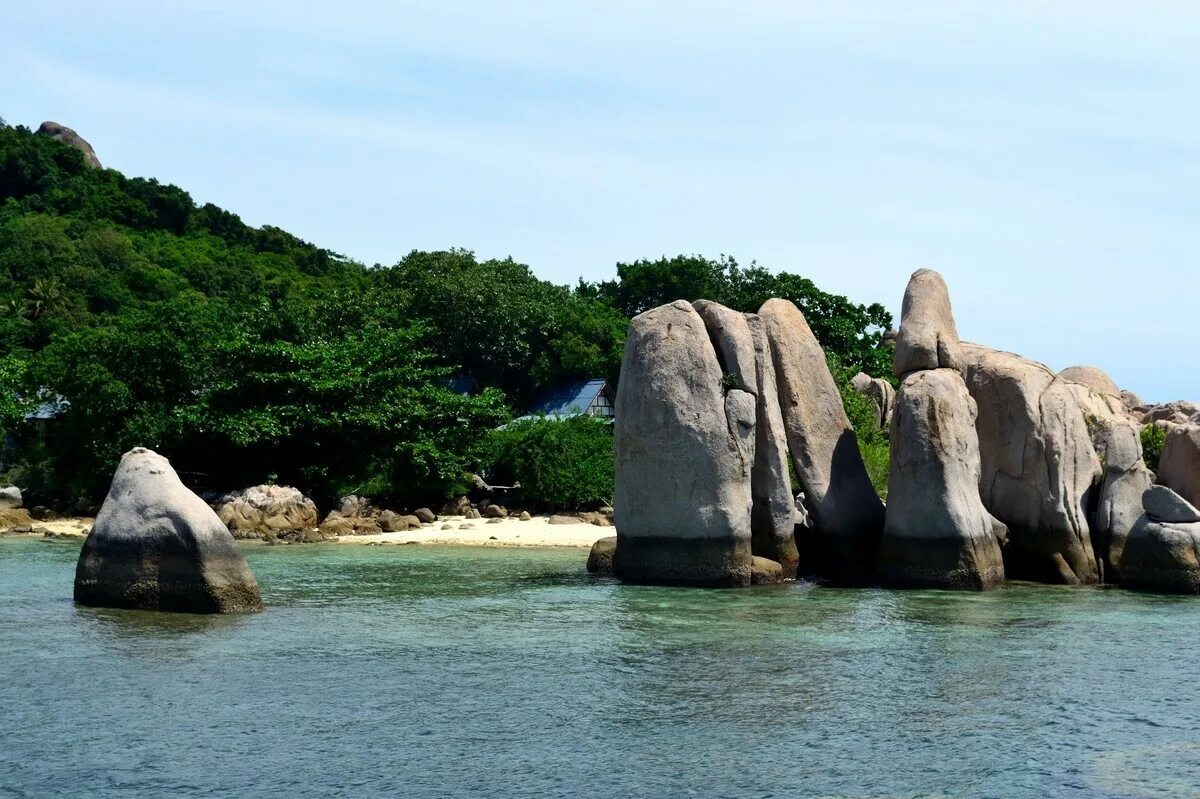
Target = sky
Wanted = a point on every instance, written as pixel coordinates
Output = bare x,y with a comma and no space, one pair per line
1044,157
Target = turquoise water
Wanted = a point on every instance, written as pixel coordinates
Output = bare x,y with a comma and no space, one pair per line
443,672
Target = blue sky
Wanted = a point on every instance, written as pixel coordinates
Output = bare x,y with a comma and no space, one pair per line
1043,156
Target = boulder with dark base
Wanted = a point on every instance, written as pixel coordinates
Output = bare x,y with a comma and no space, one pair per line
157,546
1038,465
773,514
1162,553
266,509
600,559
845,512
683,457
764,571
938,533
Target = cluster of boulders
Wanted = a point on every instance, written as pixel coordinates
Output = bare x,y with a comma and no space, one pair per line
1000,468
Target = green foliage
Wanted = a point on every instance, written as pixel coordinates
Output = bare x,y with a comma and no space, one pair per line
560,463
873,441
1153,439
13,406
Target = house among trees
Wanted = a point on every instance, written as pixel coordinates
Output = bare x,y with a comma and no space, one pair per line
576,398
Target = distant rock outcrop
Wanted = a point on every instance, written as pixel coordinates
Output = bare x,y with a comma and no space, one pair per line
881,393
845,511
68,136
10,498
157,546
264,510
684,448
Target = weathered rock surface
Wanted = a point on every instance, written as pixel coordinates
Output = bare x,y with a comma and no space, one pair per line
1178,412
1161,554
256,511
928,338
1038,464
764,571
845,512
732,341
600,559
10,498
938,533
683,459
392,522
337,524
426,515
1120,498
1131,401
157,546
773,513
880,392
68,136
1093,378
564,519
1179,465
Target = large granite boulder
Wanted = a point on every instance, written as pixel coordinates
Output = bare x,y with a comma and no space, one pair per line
881,393
1093,378
600,558
1177,412
1119,504
683,457
68,136
1162,552
1179,464
1038,465
938,533
928,338
10,498
263,510
733,343
845,512
773,514
157,546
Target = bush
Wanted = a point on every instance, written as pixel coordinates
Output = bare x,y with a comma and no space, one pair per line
560,463
1153,439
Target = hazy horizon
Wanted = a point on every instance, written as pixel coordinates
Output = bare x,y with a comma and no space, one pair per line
1043,160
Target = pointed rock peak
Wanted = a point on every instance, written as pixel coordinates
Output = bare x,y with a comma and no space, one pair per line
928,338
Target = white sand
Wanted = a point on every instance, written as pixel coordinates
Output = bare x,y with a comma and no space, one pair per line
537,532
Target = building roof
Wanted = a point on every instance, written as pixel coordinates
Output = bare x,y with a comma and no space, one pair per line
465,385
568,399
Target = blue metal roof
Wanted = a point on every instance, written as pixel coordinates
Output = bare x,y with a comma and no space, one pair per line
462,384
568,399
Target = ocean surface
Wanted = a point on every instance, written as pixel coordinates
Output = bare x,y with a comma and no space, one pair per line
415,671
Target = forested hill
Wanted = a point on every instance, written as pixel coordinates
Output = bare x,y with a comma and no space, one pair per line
246,354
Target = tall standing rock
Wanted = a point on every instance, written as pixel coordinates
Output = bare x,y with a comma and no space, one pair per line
732,341
68,136
1163,549
773,515
1179,464
1125,481
157,546
1038,465
846,513
928,338
881,393
938,533
683,457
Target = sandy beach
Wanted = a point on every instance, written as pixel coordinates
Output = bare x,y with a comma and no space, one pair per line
536,532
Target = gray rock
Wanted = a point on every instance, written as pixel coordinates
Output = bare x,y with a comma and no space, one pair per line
1162,504
881,393
10,498
495,512
764,571
682,504
846,513
1179,465
68,136
600,559
1163,556
392,522
1178,412
563,519
413,522
1093,378
928,338
157,546
524,517
733,343
1038,465
473,514
1131,401
425,515
938,533
772,515
1125,481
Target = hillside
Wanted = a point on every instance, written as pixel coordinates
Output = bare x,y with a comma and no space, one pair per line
247,354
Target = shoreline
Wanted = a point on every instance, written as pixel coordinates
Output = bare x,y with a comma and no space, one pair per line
511,532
